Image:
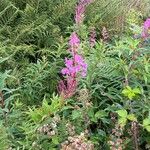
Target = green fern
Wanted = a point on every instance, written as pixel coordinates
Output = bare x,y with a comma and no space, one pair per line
7,15
112,14
4,142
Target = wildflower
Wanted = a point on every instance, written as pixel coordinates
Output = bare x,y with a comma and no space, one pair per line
67,88
147,24
70,128
74,66
79,14
85,1
105,34
74,40
77,142
92,37
116,142
48,129
80,11
146,28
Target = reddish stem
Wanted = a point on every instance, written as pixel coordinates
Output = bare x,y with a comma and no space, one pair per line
2,99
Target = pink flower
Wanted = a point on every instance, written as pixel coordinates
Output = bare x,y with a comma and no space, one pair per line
65,71
80,10
75,66
83,66
68,62
147,24
68,70
84,70
146,28
79,14
74,40
86,2
78,58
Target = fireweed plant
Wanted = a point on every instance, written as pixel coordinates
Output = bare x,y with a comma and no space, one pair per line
76,66
104,108
79,18
92,39
146,28
80,11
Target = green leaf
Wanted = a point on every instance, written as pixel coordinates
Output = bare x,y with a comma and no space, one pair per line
122,121
122,113
128,92
131,93
136,91
131,117
55,140
67,107
147,128
46,107
3,77
76,114
91,115
100,114
3,59
146,122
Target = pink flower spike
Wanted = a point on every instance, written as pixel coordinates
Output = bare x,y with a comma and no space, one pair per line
147,24
83,74
74,40
68,63
65,71
86,2
78,58
92,37
77,68
79,13
146,28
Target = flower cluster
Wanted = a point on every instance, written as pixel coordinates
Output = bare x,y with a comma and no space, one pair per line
47,129
146,28
84,98
116,142
77,142
92,37
50,129
70,129
80,10
76,64
73,67
74,42
105,34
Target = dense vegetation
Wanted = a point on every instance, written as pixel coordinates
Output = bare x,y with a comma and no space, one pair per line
74,75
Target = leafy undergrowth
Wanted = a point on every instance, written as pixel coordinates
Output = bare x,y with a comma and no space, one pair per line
72,93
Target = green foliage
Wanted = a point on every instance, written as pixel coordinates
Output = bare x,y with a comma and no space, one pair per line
115,14
124,116
3,138
131,93
39,79
115,94
46,110
146,124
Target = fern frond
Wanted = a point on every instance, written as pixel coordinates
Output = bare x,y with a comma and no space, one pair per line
7,15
